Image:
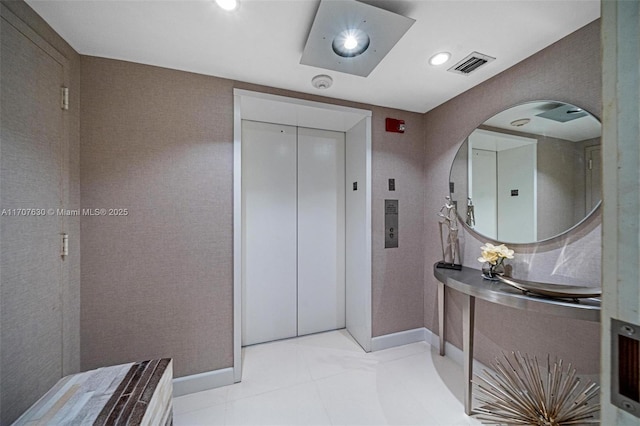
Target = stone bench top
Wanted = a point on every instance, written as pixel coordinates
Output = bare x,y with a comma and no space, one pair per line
129,394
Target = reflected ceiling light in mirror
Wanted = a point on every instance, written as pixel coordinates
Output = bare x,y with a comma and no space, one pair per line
227,5
440,58
563,113
520,122
350,43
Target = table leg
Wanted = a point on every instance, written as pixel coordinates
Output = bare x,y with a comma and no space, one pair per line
441,316
468,317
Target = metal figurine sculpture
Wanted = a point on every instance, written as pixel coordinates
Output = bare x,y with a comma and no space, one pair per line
471,215
450,248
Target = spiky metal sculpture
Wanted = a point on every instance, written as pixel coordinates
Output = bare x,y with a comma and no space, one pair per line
521,393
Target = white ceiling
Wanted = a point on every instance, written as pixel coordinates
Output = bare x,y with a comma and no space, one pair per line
263,40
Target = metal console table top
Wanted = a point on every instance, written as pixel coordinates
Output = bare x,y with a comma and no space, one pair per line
469,282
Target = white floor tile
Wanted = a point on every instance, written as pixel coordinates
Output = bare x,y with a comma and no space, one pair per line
270,367
296,405
327,379
352,398
200,400
212,416
329,362
413,384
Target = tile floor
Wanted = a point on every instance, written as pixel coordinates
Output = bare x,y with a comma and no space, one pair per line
327,379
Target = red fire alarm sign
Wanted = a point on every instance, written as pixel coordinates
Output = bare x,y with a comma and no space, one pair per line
393,125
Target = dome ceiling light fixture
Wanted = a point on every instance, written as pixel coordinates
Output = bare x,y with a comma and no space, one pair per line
352,37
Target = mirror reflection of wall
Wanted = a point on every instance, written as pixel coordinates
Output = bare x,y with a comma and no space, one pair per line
532,171
503,168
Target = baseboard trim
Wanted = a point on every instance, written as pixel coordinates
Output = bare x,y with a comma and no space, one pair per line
225,376
423,335
203,381
398,339
453,352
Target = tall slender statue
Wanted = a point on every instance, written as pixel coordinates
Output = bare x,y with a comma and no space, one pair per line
471,215
450,248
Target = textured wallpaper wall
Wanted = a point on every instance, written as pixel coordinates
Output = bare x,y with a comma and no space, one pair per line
568,71
71,292
158,281
40,339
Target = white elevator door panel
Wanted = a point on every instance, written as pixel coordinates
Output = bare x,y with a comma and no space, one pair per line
269,267
321,230
483,192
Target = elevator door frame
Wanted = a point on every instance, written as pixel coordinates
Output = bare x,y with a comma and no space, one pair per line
249,105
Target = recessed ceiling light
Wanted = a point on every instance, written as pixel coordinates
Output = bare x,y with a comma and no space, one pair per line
228,4
439,58
350,43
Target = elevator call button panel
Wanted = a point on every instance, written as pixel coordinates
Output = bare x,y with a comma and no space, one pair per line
390,223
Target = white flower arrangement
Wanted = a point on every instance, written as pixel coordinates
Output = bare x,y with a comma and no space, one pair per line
495,255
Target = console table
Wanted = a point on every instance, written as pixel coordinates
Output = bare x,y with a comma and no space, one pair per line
469,282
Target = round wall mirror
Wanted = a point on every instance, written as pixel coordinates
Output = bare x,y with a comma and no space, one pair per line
529,173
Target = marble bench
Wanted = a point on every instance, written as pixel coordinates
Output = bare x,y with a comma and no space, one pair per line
129,394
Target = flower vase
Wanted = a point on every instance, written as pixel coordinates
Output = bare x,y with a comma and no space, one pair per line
492,272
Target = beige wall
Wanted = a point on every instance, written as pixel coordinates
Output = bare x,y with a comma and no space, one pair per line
28,329
71,293
568,71
397,299
158,282
561,185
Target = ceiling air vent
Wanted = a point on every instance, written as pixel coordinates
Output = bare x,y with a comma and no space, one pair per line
471,63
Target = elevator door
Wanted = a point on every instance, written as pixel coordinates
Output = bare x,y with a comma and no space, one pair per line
269,222
321,222
293,231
